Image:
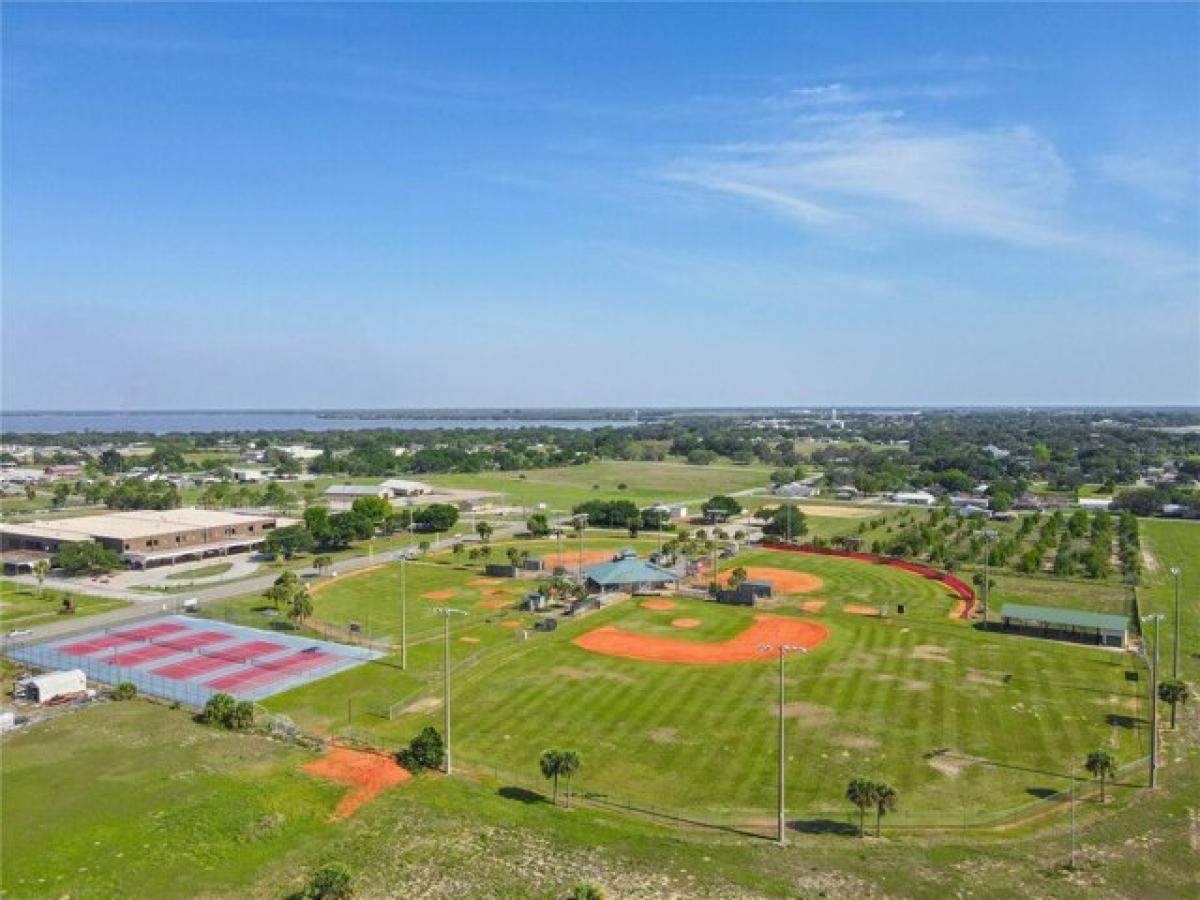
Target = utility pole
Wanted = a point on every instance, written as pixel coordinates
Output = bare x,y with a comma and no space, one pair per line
789,523
1072,820
446,612
1178,573
1153,660
781,832
988,536
580,525
403,612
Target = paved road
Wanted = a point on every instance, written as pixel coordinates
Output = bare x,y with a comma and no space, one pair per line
144,605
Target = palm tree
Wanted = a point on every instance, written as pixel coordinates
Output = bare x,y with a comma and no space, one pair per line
885,802
1173,691
861,792
549,764
568,766
302,606
322,562
1101,765
484,530
41,569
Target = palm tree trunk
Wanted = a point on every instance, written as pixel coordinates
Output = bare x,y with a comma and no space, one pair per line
568,793
878,816
862,817
1101,788
556,789
1172,716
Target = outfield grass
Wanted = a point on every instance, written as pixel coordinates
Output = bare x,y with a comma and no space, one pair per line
22,605
1015,713
646,482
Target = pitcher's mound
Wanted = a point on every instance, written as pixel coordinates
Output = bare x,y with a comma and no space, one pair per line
784,581
747,646
367,773
658,604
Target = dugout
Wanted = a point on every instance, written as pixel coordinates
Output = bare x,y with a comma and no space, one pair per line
1077,626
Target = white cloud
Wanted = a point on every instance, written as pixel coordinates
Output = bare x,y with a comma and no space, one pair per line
1167,175
1004,184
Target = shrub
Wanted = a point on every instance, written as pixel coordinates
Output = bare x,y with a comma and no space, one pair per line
330,882
425,751
126,690
585,891
224,710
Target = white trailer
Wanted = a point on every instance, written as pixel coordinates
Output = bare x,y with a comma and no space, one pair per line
52,685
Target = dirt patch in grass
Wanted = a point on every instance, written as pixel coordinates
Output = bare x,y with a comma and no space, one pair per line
485,582
950,763
931,653
745,647
469,640
1149,561
908,684
576,673
444,594
857,742
367,774
812,606
574,559
658,604
499,603
992,679
686,623
857,609
806,713
424,705
783,581
511,623
665,735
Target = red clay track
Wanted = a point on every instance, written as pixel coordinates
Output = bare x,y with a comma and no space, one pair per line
747,646
956,585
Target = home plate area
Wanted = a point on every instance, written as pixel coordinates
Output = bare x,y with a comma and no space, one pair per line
189,660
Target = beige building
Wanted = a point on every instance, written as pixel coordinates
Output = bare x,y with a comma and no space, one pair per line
143,537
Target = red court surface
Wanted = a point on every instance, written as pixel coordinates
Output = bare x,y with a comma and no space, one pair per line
140,655
260,677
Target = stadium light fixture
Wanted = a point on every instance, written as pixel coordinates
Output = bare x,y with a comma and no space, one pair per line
446,612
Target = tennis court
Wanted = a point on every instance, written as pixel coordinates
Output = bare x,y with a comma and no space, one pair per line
189,660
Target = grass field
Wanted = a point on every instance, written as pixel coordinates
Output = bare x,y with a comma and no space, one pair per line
201,572
646,482
22,605
1010,715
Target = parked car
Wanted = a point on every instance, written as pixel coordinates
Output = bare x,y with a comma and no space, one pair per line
20,633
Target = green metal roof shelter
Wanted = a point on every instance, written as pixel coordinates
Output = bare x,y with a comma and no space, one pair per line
1104,629
629,573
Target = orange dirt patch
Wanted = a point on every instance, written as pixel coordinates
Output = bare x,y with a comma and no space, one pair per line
660,605
856,609
745,647
367,773
686,623
511,623
813,606
484,582
575,558
496,592
439,595
495,604
784,581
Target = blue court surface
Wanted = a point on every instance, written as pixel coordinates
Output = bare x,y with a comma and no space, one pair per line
189,660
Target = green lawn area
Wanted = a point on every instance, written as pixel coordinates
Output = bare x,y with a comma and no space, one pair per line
1174,543
202,572
22,605
646,482
1011,714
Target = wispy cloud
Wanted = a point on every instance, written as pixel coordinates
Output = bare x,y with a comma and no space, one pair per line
1167,175
1006,184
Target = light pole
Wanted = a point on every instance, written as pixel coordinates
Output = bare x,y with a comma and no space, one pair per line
781,835
1153,661
403,611
446,612
988,537
580,525
1178,573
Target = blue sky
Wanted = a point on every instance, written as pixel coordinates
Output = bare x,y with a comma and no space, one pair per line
306,206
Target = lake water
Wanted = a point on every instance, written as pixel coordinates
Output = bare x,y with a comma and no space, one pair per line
252,420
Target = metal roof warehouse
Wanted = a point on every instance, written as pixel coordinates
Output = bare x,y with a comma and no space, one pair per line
1105,629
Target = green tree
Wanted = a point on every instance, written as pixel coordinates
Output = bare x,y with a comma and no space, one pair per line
885,802
60,493
723,505
301,605
437,516
41,568
218,709
289,541
241,717
1101,765
426,751
861,792
85,557
281,592
375,510
1174,692
737,577
322,562
538,525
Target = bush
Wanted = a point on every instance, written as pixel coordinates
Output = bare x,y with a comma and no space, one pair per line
224,710
126,690
330,882
425,751
585,891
